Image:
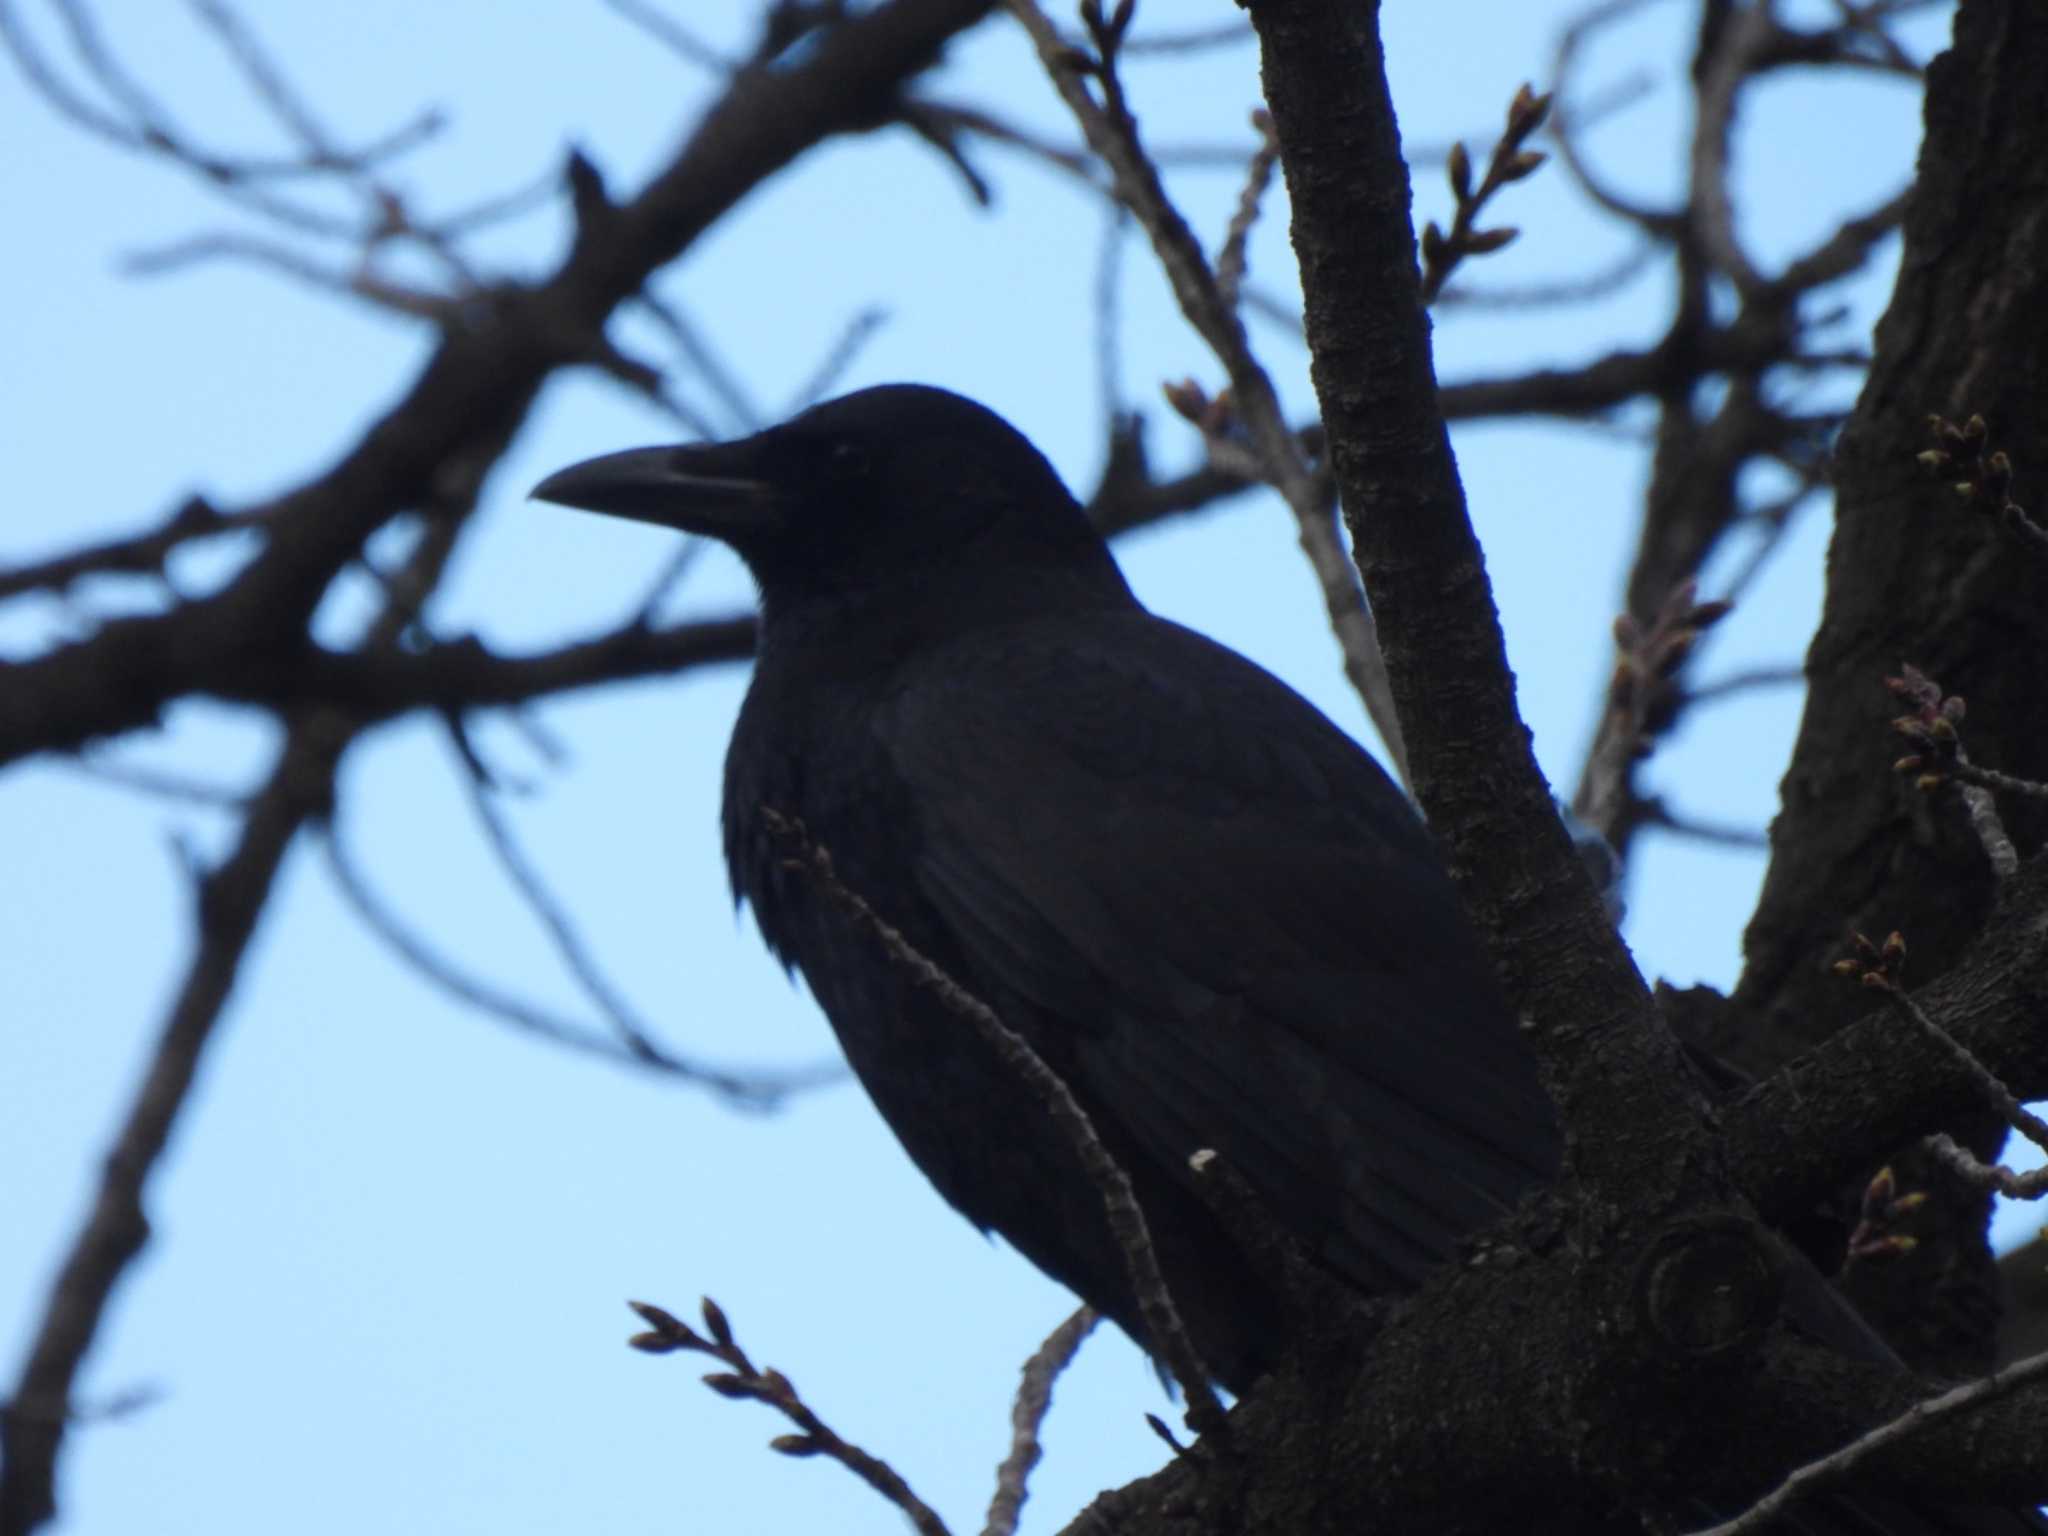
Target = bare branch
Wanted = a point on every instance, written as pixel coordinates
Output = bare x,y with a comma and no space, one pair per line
263,74
1930,725
1744,34
354,281
1746,681
748,1090
1509,162
633,1032
141,124
1112,133
673,36
1991,778
860,330
1109,372
1981,476
465,674
704,358
229,900
1654,812
1566,124
743,1379
1600,283
1844,252
1195,40
1168,1335
1995,1092
1034,1398
1258,175
1832,1469
471,394
166,786
1960,1161
667,580
142,554
1641,703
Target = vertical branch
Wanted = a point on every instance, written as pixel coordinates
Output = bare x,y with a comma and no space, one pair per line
1614,1068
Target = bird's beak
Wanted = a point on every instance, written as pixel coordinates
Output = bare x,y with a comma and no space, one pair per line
702,488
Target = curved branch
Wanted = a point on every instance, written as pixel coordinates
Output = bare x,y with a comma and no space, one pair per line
474,392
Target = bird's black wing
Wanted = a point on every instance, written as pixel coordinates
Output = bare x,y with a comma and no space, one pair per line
1215,908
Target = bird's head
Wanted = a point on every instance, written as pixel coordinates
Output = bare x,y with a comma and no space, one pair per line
883,494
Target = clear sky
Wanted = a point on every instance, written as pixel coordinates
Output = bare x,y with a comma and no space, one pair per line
393,1240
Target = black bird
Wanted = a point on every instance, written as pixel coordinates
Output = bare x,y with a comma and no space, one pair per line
1205,906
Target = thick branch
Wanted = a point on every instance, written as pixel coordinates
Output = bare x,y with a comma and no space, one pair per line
1474,774
475,390
1879,1082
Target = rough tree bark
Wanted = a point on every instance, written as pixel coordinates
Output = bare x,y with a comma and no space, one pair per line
1610,1353
1545,1385
1914,577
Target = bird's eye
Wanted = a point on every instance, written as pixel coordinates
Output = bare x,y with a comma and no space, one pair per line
847,461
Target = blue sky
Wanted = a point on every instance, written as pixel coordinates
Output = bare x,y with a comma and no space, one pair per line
393,1240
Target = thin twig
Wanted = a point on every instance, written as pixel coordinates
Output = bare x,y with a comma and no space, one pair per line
1177,44
1112,133
1776,519
526,879
666,580
1034,1398
1991,778
939,120
1601,283
1982,811
703,357
761,1091
1982,476
141,554
1508,162
162,785
832,368
352,280
1258,176
673,36
1964,1163
1566,124
497,207
1748,680
1993,1088
143,125
1109,280
268,81
1931,725
1745,32
1640,705
1653,812
744,1380
633,1031
1168,1334
1833,1468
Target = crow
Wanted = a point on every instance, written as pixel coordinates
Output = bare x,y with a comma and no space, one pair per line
1202,904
